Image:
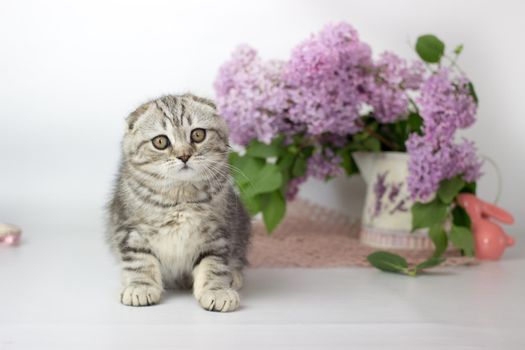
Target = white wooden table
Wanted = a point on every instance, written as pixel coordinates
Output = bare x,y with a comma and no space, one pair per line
59,291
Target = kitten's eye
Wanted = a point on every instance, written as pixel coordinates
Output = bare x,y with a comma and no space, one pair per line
198,135
161,142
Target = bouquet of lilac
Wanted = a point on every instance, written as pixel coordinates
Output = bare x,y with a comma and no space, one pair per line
306,116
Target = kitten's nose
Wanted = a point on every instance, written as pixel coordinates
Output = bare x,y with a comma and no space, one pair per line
184,157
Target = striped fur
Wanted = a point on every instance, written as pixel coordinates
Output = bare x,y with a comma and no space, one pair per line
175,225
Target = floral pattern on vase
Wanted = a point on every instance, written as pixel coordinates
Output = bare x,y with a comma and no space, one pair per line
387,196
387,218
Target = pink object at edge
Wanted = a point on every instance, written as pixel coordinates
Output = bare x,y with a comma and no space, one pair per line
489,238
9,234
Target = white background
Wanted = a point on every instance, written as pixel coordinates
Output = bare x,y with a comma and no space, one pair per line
71,71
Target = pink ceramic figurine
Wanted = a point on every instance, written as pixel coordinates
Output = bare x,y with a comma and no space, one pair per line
9,234
490,239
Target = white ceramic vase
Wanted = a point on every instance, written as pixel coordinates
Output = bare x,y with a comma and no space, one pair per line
387,218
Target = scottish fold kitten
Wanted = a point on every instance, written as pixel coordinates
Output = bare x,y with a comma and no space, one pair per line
174,216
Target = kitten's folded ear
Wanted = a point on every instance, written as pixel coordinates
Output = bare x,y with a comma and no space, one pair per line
131,120
205,101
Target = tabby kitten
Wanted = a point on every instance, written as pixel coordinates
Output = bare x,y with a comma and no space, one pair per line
175,218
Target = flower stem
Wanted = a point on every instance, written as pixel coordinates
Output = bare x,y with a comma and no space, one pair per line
454,64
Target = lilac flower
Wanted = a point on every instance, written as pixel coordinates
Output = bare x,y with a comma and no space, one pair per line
429,164
424,168
336,141
468,161
250,96
293,187
387,92
324,164
320,92
326,76
446,105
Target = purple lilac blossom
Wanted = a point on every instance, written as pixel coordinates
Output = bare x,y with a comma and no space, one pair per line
468,161
293,187
322,89
327,75
323,165
388,91
250,96
446,105
430,164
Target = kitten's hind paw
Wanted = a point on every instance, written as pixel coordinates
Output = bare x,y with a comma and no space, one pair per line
223,300
140,295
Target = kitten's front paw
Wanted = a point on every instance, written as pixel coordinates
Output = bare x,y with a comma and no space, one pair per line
140,295
223,300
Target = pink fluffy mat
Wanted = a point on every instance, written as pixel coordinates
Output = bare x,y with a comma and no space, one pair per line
313,236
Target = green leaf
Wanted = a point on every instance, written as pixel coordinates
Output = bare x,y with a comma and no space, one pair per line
462,238
458,49
449,189
273,209
360,137
460,217
293,149
263,150
348,162
268,179
243,167
372,144
308,151
470,187
432,262
415,123
473,92
428,214
300,166
388,262
439,237
245,170
430,48
235,159
285,162
251,204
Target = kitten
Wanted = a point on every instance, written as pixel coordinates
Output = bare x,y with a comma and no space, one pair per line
174,216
